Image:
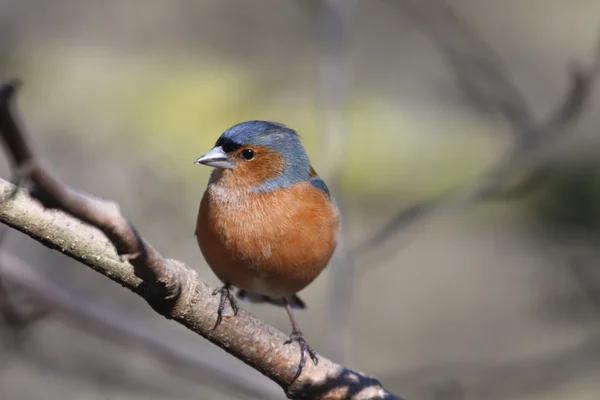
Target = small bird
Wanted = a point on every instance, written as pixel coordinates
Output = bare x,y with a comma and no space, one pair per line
267,223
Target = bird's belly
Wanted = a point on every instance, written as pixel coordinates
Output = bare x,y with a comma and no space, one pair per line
264,265
266,252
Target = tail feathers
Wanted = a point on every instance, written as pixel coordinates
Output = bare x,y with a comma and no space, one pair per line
294,301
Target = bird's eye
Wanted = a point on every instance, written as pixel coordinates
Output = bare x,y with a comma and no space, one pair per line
248,154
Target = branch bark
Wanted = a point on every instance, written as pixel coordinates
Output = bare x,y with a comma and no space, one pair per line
95,233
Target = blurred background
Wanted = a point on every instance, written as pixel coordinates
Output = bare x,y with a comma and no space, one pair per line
492,300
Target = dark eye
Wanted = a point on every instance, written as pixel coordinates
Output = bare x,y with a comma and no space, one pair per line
248,154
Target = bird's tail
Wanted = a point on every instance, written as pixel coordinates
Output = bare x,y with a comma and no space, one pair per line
294,301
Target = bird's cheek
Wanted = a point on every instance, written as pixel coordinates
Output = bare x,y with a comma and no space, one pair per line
270,166
246,176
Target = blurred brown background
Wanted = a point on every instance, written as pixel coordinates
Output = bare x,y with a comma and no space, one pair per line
499,301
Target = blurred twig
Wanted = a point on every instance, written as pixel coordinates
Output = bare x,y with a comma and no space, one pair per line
581,272
480,74
73,223
119,328
334,27
18,314
333,33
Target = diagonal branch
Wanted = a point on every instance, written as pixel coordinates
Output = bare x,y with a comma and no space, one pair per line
90,230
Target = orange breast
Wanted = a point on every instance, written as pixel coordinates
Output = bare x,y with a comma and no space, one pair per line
272,243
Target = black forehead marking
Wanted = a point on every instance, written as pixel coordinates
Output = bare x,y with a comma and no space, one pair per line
228,145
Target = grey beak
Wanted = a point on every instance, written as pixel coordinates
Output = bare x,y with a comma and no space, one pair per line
215,158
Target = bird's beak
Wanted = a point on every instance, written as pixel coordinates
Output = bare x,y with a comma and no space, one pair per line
215,158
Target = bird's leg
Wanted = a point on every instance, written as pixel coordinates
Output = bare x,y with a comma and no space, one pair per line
225,295
296,336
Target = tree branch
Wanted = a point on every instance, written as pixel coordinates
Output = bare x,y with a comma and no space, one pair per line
112,247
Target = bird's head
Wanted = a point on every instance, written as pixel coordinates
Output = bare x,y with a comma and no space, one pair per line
260,156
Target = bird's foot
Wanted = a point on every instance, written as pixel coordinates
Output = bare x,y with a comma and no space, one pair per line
225,296
296,336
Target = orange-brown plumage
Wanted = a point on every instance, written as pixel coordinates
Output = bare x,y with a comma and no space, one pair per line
272,243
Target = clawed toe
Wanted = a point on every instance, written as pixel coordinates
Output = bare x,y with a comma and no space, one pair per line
226,295
296,336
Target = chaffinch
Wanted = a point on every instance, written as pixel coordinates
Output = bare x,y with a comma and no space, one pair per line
267,223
